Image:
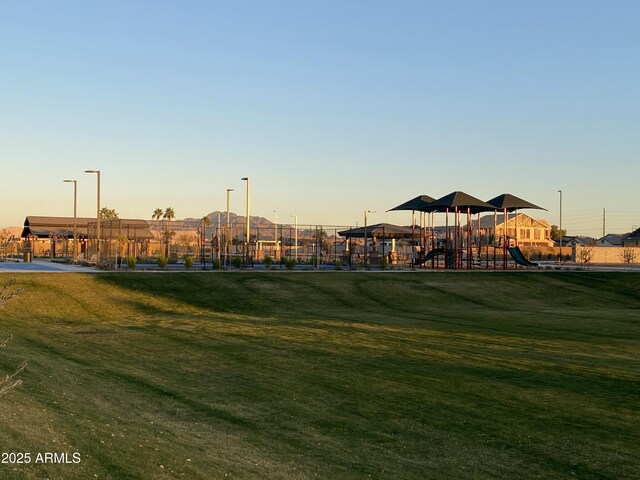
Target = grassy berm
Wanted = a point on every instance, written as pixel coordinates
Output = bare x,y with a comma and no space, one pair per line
332,375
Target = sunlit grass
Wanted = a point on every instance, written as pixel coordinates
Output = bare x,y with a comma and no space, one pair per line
339,375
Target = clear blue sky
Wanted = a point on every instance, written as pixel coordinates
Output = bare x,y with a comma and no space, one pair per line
331,107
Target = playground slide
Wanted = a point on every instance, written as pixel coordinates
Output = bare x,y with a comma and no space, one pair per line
428,256
519,257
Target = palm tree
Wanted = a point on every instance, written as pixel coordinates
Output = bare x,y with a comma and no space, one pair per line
169,215
108,213
157,215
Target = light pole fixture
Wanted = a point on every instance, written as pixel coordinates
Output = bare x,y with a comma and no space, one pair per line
560,233
275,235
228,231
365,236
97,172
75,218
295,236
248,228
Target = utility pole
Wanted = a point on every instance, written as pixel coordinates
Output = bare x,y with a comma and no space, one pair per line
248,227
560,259
227,235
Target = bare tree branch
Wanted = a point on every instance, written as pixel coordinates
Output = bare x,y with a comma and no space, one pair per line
8,291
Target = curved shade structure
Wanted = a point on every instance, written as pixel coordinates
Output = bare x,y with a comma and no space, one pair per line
417,203
509,202
381,230
459,200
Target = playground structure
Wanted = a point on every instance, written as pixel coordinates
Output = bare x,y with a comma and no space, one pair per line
465,246
216,241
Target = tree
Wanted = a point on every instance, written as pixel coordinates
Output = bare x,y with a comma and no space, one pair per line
555,233
8,291
5,241
628,255
585,255
157,215
168,215
184,240
9,382
108,213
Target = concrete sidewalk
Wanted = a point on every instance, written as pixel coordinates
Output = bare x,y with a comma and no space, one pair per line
39,266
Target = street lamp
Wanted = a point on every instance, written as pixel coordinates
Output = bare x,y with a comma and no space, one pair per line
227,235
560,261
275,236
365,235
75,217
246,259
295,236
97,172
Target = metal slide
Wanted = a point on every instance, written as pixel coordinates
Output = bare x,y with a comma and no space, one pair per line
428,256
519,257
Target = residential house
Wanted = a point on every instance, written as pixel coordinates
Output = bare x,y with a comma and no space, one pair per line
632,239
530,232
570,241
612,240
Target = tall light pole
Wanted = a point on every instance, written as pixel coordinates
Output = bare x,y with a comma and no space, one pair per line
365,235
97,172
275,236
75,218
560,261
295,236
228,231
246,259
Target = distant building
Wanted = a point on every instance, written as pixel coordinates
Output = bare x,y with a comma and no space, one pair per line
612,240
570,241
632,239
531,232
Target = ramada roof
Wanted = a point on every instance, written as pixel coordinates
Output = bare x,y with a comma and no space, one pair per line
381,230
47,227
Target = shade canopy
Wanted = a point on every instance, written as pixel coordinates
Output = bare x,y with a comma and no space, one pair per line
379,230
509,202
50,227
417,203
459,200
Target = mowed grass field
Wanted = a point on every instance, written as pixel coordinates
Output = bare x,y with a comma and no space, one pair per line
334,375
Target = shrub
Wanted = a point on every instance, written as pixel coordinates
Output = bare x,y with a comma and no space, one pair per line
338,265
267,261
289,263
162,261
216,264
188,262
132,262
236,262
384,263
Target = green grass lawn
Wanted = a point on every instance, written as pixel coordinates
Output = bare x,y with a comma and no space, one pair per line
332,375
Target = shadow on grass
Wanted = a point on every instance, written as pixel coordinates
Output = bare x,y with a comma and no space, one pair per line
510,301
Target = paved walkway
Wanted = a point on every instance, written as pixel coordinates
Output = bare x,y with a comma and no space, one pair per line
37,266
46,266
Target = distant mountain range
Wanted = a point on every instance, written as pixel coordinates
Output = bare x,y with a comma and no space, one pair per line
234,219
